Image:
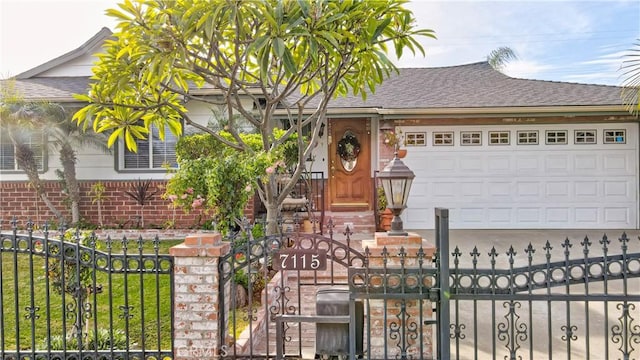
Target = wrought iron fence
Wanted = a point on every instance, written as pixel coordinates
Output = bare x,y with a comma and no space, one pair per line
566,300
72,296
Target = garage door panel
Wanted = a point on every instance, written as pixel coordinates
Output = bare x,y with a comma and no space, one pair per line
586,163
587,215
525,186
499,164
443,164
555,215
528,190
528,215
500,215
557,165
619,188
528,165
442,190
620,163
472,164
499,189
586,189
472,215
616,215
472,189
558,189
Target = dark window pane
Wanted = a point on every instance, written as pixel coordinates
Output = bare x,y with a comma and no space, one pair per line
137,160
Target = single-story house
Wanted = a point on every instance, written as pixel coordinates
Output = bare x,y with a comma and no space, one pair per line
499,152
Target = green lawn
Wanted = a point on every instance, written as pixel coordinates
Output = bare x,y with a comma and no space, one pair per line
145,296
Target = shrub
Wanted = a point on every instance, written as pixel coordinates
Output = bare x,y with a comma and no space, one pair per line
218,180
92,341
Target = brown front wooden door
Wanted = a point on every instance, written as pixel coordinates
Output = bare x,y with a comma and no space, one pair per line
350,181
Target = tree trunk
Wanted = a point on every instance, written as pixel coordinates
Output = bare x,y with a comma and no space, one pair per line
271,227
27,162
68,160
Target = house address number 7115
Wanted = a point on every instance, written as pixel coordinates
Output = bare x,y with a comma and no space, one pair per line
293,259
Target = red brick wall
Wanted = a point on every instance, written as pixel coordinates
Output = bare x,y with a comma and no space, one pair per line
18,199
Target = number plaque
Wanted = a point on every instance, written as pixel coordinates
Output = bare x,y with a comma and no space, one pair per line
290,259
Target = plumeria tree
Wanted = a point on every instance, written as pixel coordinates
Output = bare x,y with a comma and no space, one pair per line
274,63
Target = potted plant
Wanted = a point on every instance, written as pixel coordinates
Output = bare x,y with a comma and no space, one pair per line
384,214
394,140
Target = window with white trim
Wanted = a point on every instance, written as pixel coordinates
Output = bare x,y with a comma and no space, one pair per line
443,138
498,138
415,139
527,137
584,136
470,138
8,161
556,137
152,154
615,137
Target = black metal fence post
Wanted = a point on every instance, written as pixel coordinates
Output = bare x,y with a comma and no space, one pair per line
442,309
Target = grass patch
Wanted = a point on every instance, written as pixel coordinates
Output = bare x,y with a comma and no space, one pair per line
138,304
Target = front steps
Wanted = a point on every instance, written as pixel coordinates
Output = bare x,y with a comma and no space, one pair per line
360,222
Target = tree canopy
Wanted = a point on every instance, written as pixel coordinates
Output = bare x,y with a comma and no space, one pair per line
274,63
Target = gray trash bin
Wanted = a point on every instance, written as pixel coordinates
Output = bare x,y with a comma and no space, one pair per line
333,339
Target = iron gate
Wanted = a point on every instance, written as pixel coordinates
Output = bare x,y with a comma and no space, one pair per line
65,298
268,286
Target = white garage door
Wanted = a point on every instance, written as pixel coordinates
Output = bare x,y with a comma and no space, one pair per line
524,177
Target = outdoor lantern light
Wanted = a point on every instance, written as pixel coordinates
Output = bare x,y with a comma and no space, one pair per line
396,181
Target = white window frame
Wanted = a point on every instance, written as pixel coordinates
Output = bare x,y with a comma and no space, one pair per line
443,138
500,138
552,137
415,139
153,142
610,136
40,151
527,137
582,137
471,138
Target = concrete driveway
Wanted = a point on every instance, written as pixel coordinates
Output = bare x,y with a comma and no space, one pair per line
538,329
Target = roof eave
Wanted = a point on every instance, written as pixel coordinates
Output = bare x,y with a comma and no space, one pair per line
507,110
97,39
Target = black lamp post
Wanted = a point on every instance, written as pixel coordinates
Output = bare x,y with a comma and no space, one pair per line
396,181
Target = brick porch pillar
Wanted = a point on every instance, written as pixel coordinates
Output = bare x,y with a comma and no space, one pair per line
196,291
392,310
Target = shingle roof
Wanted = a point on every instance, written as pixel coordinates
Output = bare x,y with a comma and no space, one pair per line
477,85
60,89
474,85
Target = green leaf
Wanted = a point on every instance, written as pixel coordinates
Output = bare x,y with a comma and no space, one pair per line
278,47
130,142
117,14
381,27
304,6
114,136
289,63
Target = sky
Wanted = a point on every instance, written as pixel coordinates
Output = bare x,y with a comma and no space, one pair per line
574,41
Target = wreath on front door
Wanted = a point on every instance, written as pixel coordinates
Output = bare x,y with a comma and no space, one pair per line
348,148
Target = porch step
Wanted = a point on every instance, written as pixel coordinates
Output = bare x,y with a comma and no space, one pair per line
360,222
